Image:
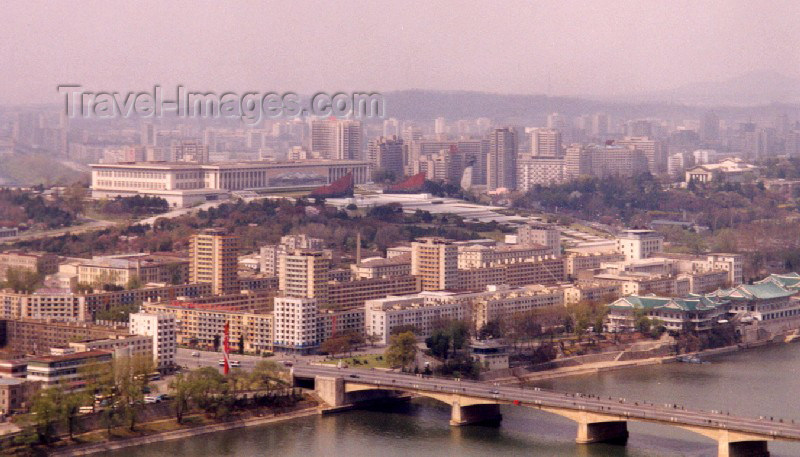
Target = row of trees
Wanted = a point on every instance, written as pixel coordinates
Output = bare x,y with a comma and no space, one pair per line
22,207
21,280
208,390
134,206
118,387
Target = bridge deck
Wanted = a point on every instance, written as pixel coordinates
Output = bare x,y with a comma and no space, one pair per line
623,409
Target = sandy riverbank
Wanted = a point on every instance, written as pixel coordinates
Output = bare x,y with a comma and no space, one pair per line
87,449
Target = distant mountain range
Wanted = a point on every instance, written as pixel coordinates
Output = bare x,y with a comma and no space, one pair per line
755,88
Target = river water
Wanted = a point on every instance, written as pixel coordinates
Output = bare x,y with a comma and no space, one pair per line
764,381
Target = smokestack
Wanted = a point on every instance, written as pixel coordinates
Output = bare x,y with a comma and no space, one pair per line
358,248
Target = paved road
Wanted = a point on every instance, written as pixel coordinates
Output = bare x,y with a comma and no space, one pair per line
184,358
93,224
625,409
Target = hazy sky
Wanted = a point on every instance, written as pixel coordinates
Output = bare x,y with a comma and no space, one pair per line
559,47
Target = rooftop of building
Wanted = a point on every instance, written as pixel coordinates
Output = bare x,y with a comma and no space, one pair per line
787,280
691,303
372,262
12,381
134,260
216,165
758,291
67,357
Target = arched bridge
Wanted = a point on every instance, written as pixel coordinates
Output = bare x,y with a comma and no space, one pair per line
598,419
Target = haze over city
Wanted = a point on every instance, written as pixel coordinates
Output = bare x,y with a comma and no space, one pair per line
439,228
574,48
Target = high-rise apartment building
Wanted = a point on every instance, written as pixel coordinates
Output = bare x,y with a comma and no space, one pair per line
501,161
440,126
213,259
600,124
601,161
388,154
653,150
475,153
435,262
305,274
545,143
336,139
189,151
709,127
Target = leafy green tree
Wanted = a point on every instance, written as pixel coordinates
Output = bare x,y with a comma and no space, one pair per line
459,334
134,282
402,350
492,329
70,409
182,391
45,409
439,343
22,280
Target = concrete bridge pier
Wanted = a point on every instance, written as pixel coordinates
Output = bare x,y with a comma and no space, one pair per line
330,390
602,432
743,449
475,414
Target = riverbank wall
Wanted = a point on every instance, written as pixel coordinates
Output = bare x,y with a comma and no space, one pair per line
304,409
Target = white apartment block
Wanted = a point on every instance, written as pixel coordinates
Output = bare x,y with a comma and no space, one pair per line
500,302
120,346
425,309
545,143
639,244
67,307
379,267
477,256
576,262
540,234
541,171
162,328
421,310
269,263
296,323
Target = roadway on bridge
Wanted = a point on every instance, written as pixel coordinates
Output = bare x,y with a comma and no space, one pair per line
625,409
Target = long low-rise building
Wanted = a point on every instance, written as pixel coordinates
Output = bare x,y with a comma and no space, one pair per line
352,294
423,311
185,184
37,336
68,369
545,270
74,307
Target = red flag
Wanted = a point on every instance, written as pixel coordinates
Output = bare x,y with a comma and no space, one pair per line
225,349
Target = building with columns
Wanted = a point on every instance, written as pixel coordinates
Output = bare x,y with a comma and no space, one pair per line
185,184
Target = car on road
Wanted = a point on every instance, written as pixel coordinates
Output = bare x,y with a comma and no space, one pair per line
495,392
150,399
235,363
195,354
355,376
287,363
221,362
